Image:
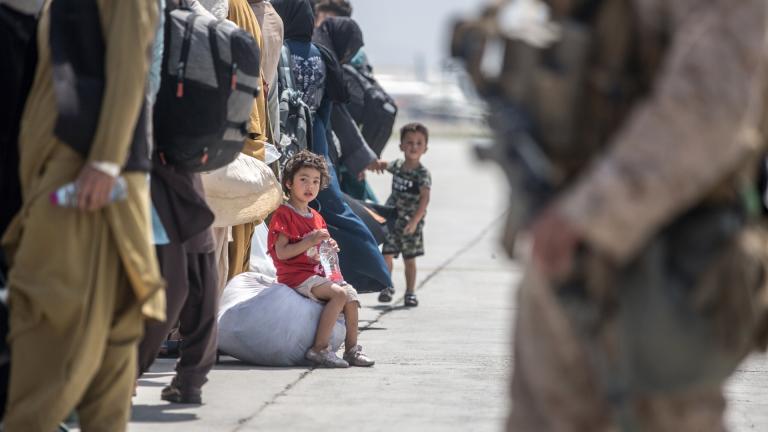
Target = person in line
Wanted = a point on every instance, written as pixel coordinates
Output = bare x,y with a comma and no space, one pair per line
82,279
411,186
272,34
319,78
295,232
331,8
343,38
233,244
188,263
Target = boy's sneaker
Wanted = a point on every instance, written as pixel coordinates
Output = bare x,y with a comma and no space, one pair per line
385,296
326,358
356,357
411,300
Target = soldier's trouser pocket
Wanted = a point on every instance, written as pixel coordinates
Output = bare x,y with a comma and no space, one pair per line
684,312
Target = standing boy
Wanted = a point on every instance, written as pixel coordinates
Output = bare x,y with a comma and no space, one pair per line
411,184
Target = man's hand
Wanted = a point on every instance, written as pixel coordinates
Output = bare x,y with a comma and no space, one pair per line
378,166
554,244
317,236
94,188
334,245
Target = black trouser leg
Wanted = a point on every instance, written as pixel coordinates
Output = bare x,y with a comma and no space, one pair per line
173,265
198,322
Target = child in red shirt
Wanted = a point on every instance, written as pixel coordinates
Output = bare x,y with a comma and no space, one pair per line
295,232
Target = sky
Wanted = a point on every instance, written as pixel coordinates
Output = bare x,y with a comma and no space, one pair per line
398,32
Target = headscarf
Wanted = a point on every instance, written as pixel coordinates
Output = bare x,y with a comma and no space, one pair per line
298,18
341,35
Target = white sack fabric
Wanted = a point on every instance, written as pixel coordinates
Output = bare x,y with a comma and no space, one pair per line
261,262
265,323
244,191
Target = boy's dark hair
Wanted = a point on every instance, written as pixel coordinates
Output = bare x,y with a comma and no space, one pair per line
305,159
341,8
414,127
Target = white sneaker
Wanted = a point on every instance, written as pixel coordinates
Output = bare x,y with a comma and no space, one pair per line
326,358
356,357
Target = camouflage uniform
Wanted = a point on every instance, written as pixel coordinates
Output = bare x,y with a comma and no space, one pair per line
681,147
405,197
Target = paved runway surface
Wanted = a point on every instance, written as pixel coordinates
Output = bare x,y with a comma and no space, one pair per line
440,367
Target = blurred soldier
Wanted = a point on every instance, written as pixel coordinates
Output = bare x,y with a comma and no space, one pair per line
646,282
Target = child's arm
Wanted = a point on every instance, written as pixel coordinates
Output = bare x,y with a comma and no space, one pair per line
420,212
286,250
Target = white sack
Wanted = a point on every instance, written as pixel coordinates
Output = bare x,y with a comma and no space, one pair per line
261,262
269,324
219,8
244,191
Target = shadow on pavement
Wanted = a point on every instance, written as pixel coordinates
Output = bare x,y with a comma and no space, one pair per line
159,414
145,383
230,363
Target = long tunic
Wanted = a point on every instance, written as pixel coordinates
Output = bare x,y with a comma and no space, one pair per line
47,163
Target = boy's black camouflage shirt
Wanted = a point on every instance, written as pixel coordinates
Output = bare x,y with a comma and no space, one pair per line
405,187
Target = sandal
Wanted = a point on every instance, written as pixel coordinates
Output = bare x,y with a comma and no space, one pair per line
411,300
385,296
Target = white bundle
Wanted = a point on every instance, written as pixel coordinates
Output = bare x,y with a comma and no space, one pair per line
261,262
219,8
269,324
242,192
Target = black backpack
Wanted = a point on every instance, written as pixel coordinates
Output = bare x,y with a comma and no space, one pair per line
295,115
210,76
371,107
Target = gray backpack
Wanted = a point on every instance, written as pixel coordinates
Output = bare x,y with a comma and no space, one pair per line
210,76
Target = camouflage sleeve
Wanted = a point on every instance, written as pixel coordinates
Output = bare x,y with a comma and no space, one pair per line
698,127
425,180
392,166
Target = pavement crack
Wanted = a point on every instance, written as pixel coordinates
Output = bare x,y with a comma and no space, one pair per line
464,249
244,421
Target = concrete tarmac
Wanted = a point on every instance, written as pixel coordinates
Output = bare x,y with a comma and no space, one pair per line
442,366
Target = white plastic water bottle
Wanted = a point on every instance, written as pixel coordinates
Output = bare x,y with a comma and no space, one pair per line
329,259
66,196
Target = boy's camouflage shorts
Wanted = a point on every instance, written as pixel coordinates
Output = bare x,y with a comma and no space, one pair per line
397,242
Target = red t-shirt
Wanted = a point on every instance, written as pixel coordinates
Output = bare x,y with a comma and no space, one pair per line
288,222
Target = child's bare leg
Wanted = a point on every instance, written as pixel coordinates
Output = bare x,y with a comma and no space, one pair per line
350,316
389,260
410,275
336,297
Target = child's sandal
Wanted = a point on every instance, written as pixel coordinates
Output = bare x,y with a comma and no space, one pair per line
411,300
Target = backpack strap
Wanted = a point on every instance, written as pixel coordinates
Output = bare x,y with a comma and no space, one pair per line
185,47
285,69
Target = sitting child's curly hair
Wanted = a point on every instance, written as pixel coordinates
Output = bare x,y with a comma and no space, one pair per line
305,159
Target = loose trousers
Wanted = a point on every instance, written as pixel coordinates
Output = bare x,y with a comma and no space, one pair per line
192,301
555,389
75,324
